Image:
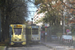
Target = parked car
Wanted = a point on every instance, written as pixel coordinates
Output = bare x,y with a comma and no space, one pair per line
54,37
66,39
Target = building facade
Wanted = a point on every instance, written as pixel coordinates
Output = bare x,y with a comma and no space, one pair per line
37,19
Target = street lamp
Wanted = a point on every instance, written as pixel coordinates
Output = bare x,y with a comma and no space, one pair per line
32,20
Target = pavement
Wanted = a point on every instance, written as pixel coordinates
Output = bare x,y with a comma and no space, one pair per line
3,45
52,45
57,46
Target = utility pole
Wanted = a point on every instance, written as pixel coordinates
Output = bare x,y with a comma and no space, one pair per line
32,20
63,20
0,25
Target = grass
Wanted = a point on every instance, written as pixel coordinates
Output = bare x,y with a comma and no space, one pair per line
2,47
3,44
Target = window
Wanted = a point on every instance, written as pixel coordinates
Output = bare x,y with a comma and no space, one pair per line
17,31
34,30
37,16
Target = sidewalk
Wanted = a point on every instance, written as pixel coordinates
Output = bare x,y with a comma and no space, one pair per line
2,47
3,44
57,46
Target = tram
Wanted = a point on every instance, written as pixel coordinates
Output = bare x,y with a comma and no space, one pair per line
33,33
17,34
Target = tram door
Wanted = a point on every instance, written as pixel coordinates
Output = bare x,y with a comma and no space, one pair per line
28,35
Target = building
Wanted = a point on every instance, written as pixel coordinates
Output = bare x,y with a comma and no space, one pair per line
30,22
37,19
68,7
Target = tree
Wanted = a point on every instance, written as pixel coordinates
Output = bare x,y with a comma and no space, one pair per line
52,10
12,11
53,14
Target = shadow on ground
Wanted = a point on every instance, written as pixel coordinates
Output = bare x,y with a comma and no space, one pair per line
4,43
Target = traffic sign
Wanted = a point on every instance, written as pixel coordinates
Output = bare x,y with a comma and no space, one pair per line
67,30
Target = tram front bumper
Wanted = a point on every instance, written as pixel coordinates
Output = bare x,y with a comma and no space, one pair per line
12,43
23,43
35,40
16,43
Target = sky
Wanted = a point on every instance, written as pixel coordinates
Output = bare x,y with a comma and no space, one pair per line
31,10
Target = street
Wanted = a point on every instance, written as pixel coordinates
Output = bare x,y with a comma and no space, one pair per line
31,47
56,45
43,46
50,24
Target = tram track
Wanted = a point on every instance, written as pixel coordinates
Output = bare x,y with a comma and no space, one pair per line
25,47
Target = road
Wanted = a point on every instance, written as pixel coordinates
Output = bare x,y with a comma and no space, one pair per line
31,47
54,45
59,46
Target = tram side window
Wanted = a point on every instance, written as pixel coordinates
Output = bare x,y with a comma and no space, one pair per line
17,31
34,31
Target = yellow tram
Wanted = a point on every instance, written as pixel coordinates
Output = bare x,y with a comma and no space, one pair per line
17,34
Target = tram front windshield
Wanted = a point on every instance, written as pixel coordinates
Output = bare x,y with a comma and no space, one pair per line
35,31
17,31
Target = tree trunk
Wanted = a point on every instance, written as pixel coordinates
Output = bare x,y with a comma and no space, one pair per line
50,32
7,28
3,23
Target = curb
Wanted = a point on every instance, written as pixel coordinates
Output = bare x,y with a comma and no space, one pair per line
5,48
48,46
52,47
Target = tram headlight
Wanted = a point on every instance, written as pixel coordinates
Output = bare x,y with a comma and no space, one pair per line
15,39
19,39
12,43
